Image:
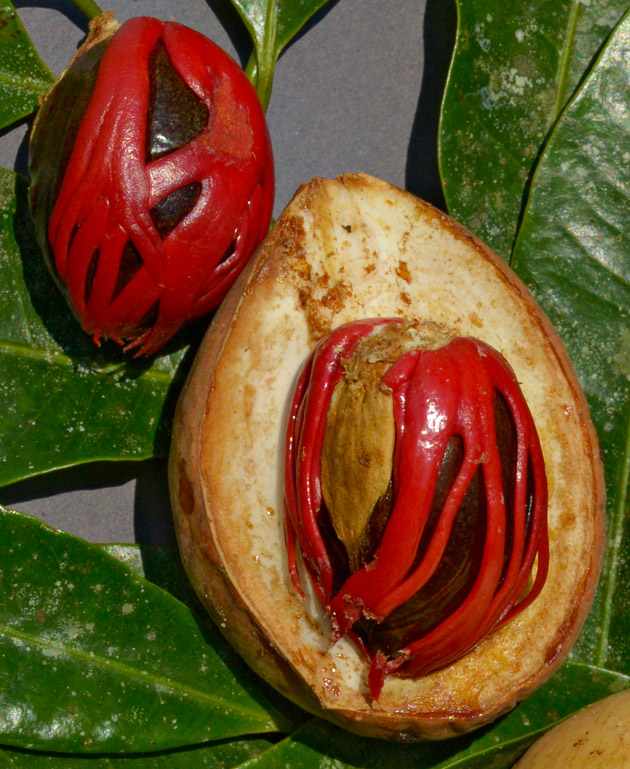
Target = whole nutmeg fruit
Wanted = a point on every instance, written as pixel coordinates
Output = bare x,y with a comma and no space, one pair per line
597,737
386,485
151,179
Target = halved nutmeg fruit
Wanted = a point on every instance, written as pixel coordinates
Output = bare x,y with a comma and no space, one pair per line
386,486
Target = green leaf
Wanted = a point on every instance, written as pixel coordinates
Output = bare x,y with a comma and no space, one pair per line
515,66
163,567
220,756
315,744
573,251
272,25
64,401
95,659
23,75
319,744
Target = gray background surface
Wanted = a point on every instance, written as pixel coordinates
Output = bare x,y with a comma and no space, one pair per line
357,90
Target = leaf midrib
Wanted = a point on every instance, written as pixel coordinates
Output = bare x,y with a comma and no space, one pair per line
564,62
59,358
26,85
614,558
130,672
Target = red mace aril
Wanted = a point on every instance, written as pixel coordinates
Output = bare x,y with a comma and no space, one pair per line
416,490
151,179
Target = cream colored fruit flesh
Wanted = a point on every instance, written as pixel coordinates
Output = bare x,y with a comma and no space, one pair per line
354,248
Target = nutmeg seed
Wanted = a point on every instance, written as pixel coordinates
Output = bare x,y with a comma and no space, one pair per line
452,562
358,447
357,458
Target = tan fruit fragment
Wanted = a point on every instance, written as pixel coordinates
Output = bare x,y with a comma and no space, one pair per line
597,737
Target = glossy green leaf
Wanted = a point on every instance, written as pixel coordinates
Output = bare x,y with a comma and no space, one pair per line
573,252
94,658
23,75
64,401
319,744
515,66
224,755
272,26
163,567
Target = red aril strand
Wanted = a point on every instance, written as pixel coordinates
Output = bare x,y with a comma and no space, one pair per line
462,546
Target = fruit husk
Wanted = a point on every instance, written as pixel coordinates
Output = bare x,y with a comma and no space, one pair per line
351,248
57,123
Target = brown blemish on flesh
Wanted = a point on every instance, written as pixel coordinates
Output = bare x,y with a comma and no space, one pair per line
403,271
288,237
322,291
321,310
318,296
475,320
331,686
335,298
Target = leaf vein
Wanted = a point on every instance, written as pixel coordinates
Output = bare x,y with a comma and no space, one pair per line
615,540
33,86
127,670
61,359
564,62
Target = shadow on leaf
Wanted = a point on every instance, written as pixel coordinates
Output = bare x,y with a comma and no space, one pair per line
422,173
231,22
163,567
69,10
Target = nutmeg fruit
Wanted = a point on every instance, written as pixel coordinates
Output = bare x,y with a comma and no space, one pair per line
597,737
346,250
151,179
